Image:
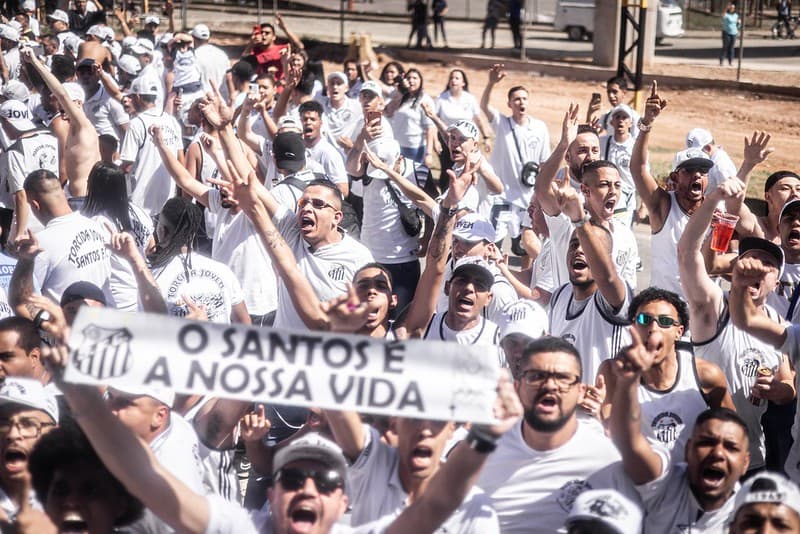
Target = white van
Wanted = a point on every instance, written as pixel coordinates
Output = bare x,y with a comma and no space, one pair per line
576,17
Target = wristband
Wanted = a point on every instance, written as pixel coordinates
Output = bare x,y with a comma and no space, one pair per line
480,442
580,222
644,127
448,212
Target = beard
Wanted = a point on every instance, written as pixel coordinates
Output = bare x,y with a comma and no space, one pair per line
549,426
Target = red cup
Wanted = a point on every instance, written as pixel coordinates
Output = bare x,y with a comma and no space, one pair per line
722,231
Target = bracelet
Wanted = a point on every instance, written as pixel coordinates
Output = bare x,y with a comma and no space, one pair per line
644,127
582,221
480,442
448,212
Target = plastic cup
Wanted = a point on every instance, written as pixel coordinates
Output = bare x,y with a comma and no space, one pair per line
722,231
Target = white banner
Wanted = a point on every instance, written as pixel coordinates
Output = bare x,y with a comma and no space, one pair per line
414,378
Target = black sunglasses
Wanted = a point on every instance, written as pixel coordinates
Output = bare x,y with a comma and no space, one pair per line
292,479
664,321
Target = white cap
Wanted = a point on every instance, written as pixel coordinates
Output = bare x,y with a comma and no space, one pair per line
201,32
60,15
465,128
691,157
75,92
388,150
115,47
129,41
29,393
101,32
372,87
608,507
152,19
624,108
72,42
473,227
698,138
768,487
17,114
143,86
143,46
311,447
29,5
339,76
15,25
162,395
129,64
289,122
9,32
523,317
16,90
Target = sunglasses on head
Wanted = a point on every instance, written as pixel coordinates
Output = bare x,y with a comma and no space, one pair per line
293,479
664,321
316,203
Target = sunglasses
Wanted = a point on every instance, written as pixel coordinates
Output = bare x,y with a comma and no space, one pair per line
316,203
664,321
293,479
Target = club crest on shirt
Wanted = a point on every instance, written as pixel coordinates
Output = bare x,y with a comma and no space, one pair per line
568,337
667,426
569,492
337,274
104,352
750,361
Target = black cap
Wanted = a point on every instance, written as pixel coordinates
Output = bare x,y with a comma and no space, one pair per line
756,243
289,151
775,177
82,291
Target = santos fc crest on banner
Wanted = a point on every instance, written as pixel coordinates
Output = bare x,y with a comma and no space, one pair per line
105,352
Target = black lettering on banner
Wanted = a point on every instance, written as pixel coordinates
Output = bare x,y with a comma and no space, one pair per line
378,398
412,397
299,387
196,371
278,385
235,382
198,345
159,373
227,336
277,343
335,358
393,353
251,346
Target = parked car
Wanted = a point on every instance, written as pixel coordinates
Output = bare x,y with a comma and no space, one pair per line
576,17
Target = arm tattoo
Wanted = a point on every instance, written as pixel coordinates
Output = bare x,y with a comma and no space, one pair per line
438,244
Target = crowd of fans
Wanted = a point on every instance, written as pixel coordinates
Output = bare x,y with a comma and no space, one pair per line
150,172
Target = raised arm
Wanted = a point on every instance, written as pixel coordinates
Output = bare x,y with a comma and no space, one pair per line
297,44
437,121
756,151
744,314
244,131
124,245
21,287
292,78
423,304
120,15
183,178
655,198
412,191
702,294
642,464
496,74
543,187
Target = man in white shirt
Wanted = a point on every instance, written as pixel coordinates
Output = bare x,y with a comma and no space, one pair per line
340,113
539,468
212,61
319,149
696,496
104,111
9,43
723,168
59,25
520,140
617,147
150,182
766,502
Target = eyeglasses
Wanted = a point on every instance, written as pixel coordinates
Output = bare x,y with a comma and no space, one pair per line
316,203
537,378
27,426
292,479
664,321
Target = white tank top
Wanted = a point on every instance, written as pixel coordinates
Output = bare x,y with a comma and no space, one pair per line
219,471
739,355
597,335
485,333
208,169
668,416
664,249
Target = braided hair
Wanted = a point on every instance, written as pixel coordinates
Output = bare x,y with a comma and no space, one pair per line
185,218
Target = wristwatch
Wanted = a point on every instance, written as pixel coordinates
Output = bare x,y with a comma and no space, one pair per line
644,127
449,212
41,317
479,442
583,220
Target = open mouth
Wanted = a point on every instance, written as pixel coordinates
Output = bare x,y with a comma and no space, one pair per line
15,461
579,264
547,402
303,517
696,187
306,223
465,303
610,204
713,476
73,522
794,236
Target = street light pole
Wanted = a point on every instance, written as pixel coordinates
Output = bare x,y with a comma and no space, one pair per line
741,42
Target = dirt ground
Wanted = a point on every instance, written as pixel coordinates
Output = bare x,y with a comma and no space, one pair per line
729,115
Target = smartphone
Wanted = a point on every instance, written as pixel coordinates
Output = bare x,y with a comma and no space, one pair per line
372,115
596,98
254,88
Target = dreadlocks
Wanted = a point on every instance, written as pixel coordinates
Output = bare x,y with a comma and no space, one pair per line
184,219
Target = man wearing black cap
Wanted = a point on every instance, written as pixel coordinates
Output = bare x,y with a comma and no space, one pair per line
289,153
755,371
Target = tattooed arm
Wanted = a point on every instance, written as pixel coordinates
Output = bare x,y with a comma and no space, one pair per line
21,285
423,305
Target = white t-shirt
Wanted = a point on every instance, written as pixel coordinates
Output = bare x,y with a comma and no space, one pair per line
503,293
122,284
205,281
723,169
331,160
620,155
533,491
219,471
410,123
452,110
237,245
106,113
328,268
340,122
381,230
25,155
213,63
13,62
73,249
781,298
376,492
592,326
178,451
150,184
533,142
